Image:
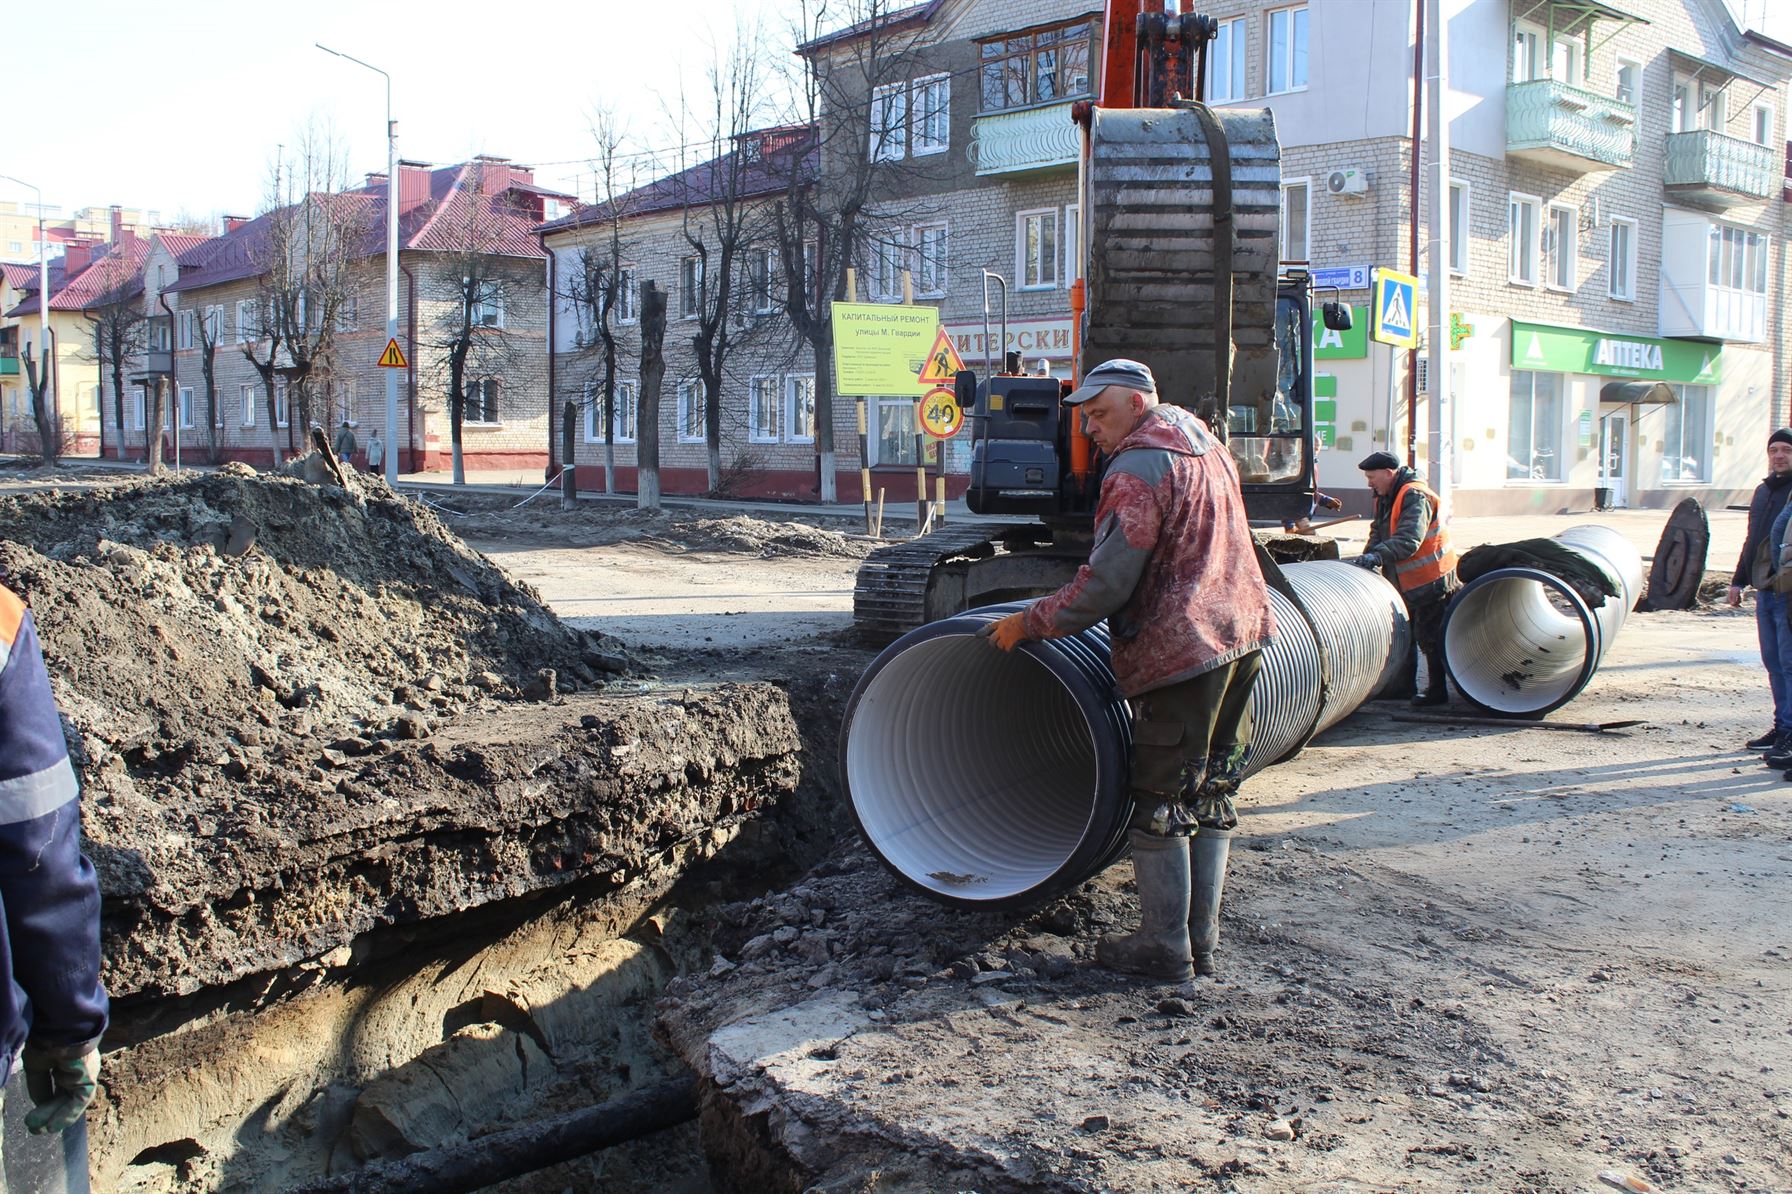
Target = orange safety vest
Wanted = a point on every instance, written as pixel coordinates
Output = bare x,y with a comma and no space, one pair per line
1436,557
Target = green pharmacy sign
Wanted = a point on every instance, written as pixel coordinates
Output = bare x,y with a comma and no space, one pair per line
1548,349
1352,345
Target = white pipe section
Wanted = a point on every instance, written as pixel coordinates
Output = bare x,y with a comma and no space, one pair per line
985,778
1521,642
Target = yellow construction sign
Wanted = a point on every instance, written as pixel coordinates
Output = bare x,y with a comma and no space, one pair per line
393,357
879,348
943,362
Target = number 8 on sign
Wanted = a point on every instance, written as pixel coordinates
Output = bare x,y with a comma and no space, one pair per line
939,414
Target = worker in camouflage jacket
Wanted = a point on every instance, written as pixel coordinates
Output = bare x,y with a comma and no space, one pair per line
1174,571
52,1007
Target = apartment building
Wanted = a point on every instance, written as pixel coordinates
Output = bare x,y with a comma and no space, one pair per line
483,210
18,227
1617,245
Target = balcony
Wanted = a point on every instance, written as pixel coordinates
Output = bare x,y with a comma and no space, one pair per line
1561,126
9,365
1025,140
1712,170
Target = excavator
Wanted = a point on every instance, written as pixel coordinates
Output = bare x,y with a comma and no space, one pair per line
1181,269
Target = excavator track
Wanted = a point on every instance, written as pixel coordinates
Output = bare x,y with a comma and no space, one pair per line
890,596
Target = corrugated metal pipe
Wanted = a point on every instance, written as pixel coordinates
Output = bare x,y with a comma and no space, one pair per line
1520,642
990,780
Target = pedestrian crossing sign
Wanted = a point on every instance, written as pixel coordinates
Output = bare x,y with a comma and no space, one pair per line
1394,316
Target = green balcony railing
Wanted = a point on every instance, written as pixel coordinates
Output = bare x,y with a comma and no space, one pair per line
1568,126
1710,161
1026,139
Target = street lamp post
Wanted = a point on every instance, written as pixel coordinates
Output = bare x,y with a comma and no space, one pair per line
391,460
43,304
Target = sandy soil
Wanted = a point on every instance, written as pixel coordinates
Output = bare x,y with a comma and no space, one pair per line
1455,958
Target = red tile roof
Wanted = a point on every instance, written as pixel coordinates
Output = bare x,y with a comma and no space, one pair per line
114,274
765,171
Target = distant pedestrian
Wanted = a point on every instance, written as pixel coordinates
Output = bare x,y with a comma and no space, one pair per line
345,443
376,452
1755,568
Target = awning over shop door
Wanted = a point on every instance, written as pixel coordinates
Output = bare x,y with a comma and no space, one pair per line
1647,393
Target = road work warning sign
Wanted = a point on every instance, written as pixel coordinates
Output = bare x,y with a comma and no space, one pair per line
393,357
880,349
942,362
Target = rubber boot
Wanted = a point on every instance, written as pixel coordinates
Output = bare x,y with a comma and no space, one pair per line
1435,691
1405,685
1160,948
1208,851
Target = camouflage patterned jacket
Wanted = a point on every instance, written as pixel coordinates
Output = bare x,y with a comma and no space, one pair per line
1173,569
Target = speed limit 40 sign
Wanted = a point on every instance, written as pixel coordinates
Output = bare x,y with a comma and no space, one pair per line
939,414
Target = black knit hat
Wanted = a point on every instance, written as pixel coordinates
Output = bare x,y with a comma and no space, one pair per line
1782,436
1375,460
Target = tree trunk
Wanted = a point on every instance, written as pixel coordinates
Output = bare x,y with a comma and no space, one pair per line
37,380
647,419
824,418
712,435
609,416
118,400
457,405
152,427
273,419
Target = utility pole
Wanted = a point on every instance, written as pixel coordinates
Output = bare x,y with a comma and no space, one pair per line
391,264
1437,352
44,362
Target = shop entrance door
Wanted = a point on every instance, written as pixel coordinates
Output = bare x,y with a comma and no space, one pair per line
1614,460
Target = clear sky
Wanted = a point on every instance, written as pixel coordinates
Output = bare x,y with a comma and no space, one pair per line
180,106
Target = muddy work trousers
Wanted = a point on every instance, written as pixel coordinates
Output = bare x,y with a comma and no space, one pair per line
1189,743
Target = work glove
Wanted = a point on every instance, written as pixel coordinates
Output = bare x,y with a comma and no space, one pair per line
1007,633
62,1086
1371,562
1328,502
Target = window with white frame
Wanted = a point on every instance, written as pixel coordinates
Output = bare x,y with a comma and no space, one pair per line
1073,245
691,423
1296,221
889,257
246,321
799,408
1459,226
485,308
626,305
889,122
930,260
1683,115
1713,107
282,407
348,314
931,115
245,396
1628,81
214,324
186,406
185,334
623,421
1622,256
1567,61
764,397
481,405
1761,124
1560,249
1036,248
1534,427
1287,49
1225,62
690,287
1528,43
1524,235
1686,440
1737,260
762,280
137,415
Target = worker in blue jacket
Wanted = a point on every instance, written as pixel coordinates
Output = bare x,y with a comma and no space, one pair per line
52,1007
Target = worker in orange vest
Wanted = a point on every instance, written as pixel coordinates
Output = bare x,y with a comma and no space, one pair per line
1409,543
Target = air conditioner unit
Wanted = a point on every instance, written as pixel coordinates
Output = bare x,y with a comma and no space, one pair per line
1349,181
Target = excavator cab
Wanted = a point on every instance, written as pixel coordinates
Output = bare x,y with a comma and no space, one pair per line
1271,432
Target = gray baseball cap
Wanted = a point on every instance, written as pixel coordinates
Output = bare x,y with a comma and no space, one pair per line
1117,372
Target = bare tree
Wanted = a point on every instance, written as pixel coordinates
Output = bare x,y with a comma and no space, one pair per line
721,224
470,337
602,290
117,329
653,376
208,328
315,234
37,379
834,204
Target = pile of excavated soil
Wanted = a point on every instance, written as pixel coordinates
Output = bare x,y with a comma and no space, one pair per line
596,524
